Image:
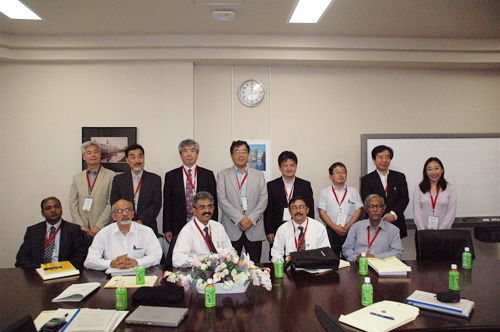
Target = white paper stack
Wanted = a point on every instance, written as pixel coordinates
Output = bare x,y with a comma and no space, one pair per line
121,272
90,320
77,292
429,301
389,267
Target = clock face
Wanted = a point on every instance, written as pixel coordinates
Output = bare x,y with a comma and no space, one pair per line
251,93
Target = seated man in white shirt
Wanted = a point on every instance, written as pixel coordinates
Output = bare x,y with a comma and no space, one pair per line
201,236
300,233
124,244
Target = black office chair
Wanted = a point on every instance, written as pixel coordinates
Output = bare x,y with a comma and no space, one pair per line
24,324
445,244
170,251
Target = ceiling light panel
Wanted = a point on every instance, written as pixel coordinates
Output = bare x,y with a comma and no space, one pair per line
15,9
309,11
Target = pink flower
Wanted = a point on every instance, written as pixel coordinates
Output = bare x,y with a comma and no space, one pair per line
196,262
216,278
246,261
222,253
166,274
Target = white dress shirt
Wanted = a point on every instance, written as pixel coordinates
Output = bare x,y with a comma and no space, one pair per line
351,203
284,241
194,176
140,243
190,242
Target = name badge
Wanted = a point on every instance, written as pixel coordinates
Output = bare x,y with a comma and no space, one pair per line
432,223
244,203
286,214
87,205
341,219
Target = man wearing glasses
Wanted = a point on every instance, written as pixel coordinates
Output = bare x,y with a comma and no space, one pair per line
300,233
201,236
374,236
123,244
242,195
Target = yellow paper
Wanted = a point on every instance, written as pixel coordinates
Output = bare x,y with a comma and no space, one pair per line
130,282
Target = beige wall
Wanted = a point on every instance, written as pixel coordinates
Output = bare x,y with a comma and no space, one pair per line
317,112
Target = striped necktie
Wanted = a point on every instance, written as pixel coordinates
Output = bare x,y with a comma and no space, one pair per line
49,248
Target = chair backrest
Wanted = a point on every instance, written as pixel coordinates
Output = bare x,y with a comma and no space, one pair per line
445,244
170,252
24,324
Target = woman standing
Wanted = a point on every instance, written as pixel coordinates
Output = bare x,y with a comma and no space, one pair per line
434,199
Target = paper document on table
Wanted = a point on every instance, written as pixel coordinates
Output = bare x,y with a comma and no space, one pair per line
130,282
429,301
381,316
89,320
342,264
77,292
121,272
389,267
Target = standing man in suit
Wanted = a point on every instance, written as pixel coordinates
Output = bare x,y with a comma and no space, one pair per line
181,184
139,186
281,190
89,197
52,240
242,195
391,185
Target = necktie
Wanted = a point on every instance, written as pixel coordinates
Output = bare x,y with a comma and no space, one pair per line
189,195
49,249
301,235
136,193
207,235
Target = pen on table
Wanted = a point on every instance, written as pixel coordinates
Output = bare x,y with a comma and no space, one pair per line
379,315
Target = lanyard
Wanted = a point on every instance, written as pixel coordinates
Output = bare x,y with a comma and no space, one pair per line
91,187
47,241
288,197
376,234
345,194
434,201
237,179
204,238
138,187
189,178
303,236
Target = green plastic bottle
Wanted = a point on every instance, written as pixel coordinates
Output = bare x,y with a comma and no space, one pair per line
363,264
367,293
121,296
467,259
210,294
454,277
279,268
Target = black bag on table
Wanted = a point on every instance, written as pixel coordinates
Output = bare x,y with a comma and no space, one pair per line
322,258
158,295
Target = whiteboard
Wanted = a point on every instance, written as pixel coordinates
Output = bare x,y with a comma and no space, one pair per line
471,163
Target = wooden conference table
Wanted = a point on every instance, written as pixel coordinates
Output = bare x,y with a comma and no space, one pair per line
288,307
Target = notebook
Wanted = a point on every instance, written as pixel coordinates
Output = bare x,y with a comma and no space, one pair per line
429,301
157,316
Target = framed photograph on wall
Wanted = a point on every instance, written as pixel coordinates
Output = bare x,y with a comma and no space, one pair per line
260,150
114,141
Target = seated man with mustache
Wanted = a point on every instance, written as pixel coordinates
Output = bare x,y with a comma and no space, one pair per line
374,236
124,244
201,236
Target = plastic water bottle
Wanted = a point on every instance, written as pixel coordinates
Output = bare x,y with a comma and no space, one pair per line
209,294
121,296
140,275
367,292
454,277
467,259
279,268
363,264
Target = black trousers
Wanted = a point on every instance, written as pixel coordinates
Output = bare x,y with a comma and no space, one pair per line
253,248
336,241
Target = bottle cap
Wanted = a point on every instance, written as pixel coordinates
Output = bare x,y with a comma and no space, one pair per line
121,283
453,266
467,249
210,281
363,254
367,280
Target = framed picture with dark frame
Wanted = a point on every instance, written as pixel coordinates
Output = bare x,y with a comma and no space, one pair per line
114,141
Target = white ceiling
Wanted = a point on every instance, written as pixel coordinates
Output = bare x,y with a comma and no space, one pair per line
380,18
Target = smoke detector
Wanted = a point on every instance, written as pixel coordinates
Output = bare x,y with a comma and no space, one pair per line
223,15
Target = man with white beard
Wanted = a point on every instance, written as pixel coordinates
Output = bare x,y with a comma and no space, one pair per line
123,244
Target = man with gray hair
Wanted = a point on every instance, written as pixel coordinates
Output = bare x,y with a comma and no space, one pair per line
373,236
90,191
124,244
181,184
201,236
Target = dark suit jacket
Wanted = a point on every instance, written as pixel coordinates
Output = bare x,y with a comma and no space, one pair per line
397,194
149,204
276,201
71,246
174,197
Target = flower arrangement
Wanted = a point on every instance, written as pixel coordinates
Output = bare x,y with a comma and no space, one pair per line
224,267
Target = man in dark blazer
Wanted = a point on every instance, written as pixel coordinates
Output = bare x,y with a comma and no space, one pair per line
281,190
389,184
69,239
139,186
175,209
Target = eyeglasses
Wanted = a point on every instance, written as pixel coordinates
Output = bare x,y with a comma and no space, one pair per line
341,172
205,207
300,207
237,152
371,207
120,211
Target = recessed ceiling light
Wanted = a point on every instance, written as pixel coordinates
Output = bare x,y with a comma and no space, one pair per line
309,11
17,10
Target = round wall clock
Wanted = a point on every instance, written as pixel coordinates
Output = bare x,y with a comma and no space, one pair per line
251,93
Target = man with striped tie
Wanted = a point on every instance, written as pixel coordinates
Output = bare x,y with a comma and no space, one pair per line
52,240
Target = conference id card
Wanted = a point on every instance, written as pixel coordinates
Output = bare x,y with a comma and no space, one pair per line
87,204
341,219
286,214
244,203
432,223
